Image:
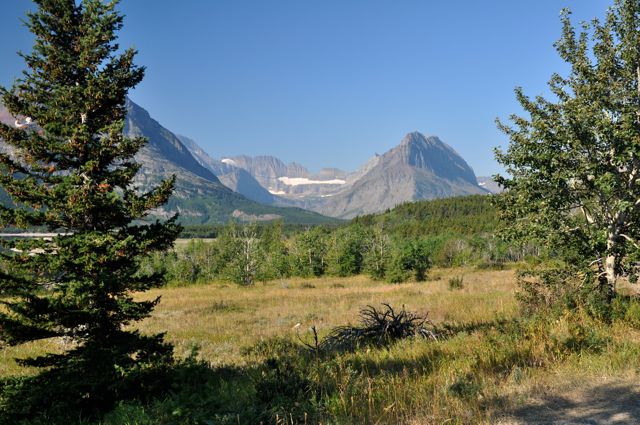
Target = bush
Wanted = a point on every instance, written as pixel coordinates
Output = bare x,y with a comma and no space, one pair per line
632,315
456,283
491,265
548,289
346,252
407,258
465,387
397,270
576,333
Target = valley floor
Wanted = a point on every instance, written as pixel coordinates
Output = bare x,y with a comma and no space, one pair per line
492,368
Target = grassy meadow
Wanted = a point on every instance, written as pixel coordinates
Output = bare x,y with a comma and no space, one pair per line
224,319
242,361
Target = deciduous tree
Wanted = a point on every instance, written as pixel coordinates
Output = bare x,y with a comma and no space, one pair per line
573,163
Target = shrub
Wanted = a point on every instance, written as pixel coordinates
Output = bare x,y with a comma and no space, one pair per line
456,283
575,333
632,315
465,387
491,265
347,247
410,257
548,289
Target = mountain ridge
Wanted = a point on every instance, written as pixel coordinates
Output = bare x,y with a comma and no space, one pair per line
418,168
199,196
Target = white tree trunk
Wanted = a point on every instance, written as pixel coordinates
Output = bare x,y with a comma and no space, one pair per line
610,264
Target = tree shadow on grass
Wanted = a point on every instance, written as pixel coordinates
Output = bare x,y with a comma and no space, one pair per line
614,403
422,364
188,391
449,330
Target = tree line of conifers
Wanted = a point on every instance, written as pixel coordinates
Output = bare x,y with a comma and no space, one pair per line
397,246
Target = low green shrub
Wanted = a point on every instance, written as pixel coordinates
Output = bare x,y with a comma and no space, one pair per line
456,283
465,387
632,315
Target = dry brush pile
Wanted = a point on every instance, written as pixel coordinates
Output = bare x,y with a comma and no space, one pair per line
378,327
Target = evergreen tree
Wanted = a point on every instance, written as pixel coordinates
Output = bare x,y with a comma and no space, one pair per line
70,171
575,161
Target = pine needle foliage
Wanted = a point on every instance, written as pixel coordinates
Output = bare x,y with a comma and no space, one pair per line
70,169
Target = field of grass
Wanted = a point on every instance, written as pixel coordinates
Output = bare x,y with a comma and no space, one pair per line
490,366
222,319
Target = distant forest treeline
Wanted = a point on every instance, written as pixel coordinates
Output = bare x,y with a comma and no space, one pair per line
464,215
397,245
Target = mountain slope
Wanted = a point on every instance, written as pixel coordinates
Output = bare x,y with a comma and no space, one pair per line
292,183
489,184
166,148
268,170
199,196
419,168
237,179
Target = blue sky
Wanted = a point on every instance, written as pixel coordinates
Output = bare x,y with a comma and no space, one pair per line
329,83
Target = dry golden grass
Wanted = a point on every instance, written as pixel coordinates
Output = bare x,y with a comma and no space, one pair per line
501,376
223,319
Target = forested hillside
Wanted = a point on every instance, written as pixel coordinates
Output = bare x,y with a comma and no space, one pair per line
463,215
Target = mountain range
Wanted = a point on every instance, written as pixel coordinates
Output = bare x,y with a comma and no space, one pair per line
242,187
199,196
418,168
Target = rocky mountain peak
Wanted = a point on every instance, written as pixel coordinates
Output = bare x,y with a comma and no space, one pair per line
431,154
413,138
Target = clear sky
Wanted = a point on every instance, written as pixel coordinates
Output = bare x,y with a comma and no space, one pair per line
329,83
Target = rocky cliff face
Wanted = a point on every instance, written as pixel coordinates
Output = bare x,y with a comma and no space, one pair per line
429,154
418,168
290,182
235,178
267,169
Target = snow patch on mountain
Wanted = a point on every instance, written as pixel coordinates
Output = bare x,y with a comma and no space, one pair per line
298,181
228,161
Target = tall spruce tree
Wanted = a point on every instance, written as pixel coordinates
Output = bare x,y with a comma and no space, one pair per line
574,163
69,169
